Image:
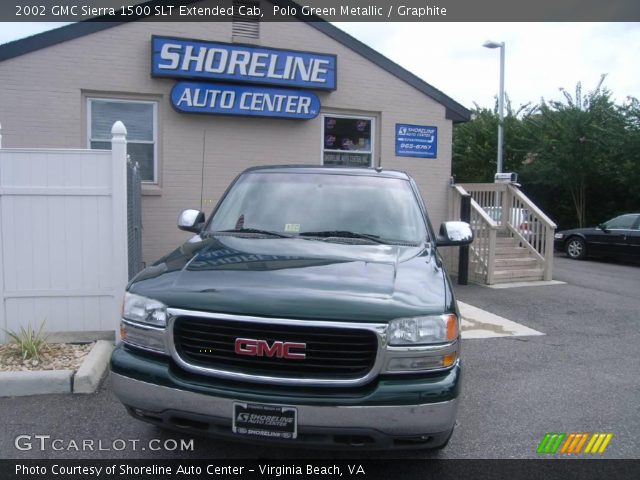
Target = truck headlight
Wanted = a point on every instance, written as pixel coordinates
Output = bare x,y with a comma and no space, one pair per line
144,310
423,330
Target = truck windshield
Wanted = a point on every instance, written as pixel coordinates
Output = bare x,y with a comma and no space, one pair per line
362,207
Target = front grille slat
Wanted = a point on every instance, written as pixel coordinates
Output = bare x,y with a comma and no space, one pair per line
248,361
224,355
271,336
196,346
202,343
205,330
331,352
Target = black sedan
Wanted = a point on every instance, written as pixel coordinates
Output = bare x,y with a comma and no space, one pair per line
619,238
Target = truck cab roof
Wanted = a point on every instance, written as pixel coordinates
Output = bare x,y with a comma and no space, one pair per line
330,170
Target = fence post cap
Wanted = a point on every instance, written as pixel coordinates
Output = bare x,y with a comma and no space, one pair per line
118,129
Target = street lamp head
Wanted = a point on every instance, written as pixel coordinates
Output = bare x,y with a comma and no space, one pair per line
492,44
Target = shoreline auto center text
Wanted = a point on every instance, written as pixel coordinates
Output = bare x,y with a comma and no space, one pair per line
126,469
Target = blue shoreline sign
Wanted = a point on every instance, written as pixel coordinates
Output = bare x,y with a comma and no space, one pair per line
224,99
196,59
416,141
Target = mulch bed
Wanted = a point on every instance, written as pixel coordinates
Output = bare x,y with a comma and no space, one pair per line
56,356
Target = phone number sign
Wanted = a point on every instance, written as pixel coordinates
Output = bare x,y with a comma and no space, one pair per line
416,141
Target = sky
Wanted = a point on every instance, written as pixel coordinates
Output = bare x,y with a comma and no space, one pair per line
541,58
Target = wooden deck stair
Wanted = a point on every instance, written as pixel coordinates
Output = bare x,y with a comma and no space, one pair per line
513,238
514,263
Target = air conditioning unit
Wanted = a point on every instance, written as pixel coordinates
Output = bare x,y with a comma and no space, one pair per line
508,177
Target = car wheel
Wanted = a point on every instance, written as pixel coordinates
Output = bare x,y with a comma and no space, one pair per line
575,248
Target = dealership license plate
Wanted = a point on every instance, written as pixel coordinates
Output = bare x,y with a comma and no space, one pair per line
266,421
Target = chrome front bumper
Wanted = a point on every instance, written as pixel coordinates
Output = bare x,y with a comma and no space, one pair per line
212,415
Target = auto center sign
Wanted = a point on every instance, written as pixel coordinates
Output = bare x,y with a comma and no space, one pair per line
196,97
416,141
230,63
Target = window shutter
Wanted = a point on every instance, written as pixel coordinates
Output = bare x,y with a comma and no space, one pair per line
244,25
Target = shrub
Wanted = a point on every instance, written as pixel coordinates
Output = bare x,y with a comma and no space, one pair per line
30,343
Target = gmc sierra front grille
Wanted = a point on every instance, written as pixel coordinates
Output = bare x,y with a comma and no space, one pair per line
262,349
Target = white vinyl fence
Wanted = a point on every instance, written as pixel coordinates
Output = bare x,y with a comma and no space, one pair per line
63,237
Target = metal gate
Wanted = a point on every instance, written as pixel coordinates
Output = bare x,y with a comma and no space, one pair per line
134,217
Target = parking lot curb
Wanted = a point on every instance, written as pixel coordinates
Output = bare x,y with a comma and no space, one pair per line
19,384
41,382
88,377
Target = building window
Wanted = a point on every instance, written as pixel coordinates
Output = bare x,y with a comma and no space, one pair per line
140,119
347,141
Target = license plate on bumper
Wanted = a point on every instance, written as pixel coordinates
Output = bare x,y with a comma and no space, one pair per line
266,421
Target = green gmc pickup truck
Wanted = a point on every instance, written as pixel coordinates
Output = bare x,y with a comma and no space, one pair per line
311,308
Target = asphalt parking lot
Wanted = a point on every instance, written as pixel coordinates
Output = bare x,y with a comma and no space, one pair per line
580,376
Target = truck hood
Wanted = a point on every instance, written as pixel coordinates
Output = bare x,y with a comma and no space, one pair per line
298,278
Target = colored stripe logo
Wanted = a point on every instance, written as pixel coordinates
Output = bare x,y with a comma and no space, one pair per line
573,443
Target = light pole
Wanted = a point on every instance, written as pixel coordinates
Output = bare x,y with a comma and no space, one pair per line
500,45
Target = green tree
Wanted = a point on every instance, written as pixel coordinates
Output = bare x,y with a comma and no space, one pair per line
628,157
475,143
573,148
578,159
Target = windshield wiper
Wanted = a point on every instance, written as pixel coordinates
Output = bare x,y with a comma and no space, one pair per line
252,230
343,234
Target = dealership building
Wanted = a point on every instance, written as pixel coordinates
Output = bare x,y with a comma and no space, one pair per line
203,101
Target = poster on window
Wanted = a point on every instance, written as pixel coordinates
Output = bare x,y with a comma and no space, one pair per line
347,141
416,141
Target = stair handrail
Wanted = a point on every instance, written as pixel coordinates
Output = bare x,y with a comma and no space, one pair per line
483,214
474,206
485,229
543,239
536,234
531,206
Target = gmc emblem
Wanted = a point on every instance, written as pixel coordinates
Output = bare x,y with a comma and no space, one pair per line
261,348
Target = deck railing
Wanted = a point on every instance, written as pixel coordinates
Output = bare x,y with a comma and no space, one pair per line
500,210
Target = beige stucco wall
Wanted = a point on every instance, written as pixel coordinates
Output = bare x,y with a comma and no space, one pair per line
43,104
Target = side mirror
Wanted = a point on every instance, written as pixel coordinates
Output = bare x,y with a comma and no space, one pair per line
454,234
191,221
603,227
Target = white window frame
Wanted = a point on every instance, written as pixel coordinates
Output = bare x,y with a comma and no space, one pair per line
372,142
146,142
